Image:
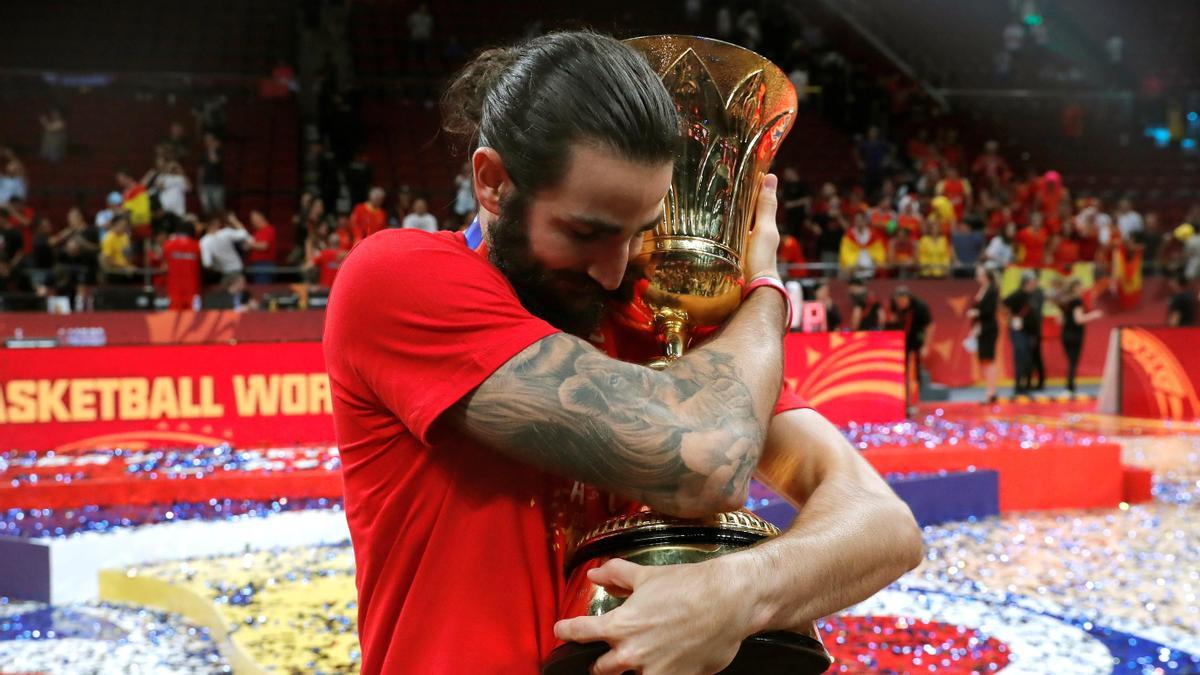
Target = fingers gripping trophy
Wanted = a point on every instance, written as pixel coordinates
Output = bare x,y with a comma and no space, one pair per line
736,108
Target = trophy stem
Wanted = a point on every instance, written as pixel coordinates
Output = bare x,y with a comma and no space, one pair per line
673,328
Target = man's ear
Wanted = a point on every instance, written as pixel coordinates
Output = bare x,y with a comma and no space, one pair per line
491,179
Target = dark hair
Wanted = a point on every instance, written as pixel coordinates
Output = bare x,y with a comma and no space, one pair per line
532,101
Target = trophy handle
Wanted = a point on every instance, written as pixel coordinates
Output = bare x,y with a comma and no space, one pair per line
673,327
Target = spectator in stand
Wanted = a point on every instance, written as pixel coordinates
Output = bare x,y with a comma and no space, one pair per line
1032,241
934,255
464,195
833,316
421,218
902,253
911,316
328,260
1048,194
346,235
135,200
724,23
999,252
219,248
990,169
967,244
16,213
872,155
1182,308
211,177
12,254
794,198
862,249
1019,305
401,207
1065,249
181,256
867,312
114,251
420,34
112,209
1186,234
263,252
172,186
985,328
369,217
54,136
956,189
1153,241
1129,222
177,142
1074,317
42,254
13,183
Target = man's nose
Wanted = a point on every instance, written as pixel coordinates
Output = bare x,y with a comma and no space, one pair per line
609,270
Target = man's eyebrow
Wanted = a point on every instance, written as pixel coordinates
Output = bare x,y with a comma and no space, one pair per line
613,228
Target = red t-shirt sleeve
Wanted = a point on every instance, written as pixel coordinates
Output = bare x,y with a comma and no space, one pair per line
417,320
789,400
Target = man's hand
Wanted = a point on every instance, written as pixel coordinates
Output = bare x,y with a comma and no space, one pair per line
682,619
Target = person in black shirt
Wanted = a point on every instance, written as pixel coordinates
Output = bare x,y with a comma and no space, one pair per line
1073,319
833,316
1182,309
912,316
986,329
1033,328
868,311
1019,308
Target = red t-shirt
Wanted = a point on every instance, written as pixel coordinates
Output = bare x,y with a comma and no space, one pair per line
182,256
366,220
265,234
328,262
1034,245
459,549
1066,254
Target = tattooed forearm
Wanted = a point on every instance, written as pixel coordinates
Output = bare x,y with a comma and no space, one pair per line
684,440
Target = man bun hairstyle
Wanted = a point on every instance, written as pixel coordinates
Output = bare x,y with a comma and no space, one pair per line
533,100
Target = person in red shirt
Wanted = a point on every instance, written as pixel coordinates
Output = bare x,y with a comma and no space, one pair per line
263,249
328,261
990,169
369,217
1066,249
956,189
477,427
1033,243
181,255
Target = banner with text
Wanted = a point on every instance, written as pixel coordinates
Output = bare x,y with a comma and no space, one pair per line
78,398
137,397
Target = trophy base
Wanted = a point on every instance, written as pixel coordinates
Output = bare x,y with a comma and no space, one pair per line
777,653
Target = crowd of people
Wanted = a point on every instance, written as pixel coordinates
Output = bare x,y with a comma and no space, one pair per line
923,210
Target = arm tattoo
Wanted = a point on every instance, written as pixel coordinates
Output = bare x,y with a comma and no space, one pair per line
674,439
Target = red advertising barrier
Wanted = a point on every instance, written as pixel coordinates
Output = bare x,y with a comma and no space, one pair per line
135,397
1048,476
849,377
1159,373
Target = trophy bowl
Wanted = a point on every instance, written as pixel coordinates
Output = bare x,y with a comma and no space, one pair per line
735,108
649,538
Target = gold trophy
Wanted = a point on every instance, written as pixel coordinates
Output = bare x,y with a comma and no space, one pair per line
736,107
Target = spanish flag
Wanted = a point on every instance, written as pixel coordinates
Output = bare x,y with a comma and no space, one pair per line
1127,274
862,249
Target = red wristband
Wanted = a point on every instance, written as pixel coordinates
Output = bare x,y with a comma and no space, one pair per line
771,282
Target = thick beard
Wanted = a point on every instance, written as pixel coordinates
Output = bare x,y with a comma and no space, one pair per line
509,250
